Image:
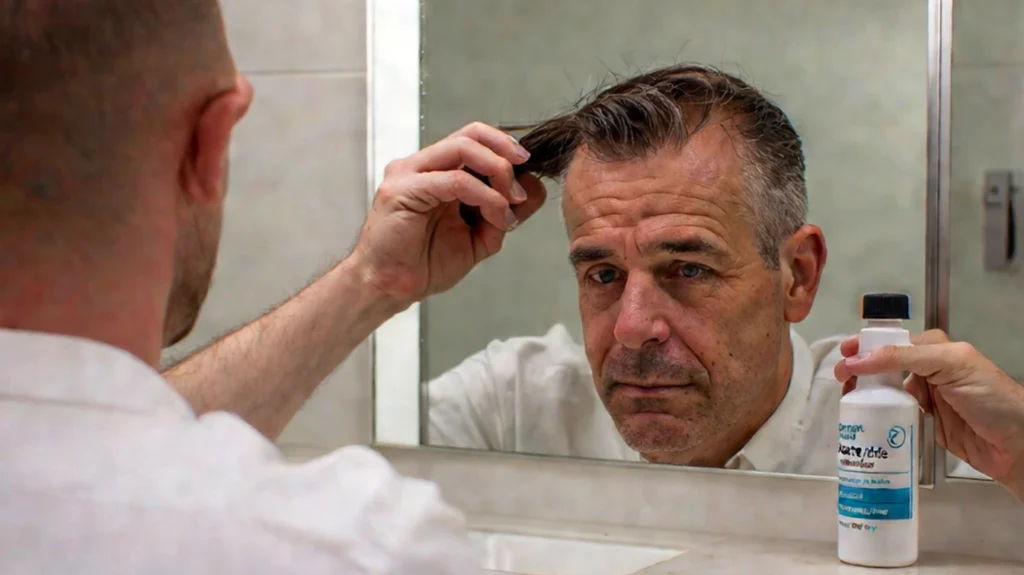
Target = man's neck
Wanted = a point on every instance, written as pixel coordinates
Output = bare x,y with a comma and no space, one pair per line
120,310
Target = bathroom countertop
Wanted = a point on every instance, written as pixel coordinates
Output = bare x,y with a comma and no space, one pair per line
810,558
769,557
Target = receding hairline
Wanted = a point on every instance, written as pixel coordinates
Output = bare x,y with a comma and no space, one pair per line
646,113
717,168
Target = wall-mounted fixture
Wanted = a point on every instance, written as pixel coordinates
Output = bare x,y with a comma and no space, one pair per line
1001,220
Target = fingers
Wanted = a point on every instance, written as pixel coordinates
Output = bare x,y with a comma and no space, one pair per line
849,385
438,174
915,385
842,374
851,345
924,360
443,155
929,337
536,195
454,153
490,238
424,192
500,142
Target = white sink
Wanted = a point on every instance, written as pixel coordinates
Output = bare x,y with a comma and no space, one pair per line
532,555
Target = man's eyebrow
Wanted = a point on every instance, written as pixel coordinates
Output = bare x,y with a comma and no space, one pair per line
689,246
584,255
580,256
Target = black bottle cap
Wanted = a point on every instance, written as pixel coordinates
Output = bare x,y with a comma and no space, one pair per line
885,306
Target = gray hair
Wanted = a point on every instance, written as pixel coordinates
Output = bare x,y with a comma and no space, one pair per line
641,115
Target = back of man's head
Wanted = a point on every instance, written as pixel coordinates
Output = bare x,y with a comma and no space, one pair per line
116,119
90,89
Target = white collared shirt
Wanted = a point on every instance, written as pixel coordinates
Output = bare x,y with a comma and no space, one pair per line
536,395
105,469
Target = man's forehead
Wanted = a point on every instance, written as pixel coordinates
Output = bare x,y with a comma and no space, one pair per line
706,169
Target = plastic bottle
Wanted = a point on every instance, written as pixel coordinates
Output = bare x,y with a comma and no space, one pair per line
878,451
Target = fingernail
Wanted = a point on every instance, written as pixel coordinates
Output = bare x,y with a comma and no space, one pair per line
521,152
518,192
511,221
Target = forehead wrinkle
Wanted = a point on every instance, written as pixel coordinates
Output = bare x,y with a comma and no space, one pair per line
702,212
702,226
699,182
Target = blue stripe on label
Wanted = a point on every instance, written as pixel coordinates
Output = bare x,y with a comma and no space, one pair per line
854,495
913,476
876,511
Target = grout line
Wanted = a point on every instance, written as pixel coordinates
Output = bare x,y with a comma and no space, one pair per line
311,73
986,65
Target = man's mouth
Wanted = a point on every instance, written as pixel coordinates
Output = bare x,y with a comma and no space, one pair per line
649,389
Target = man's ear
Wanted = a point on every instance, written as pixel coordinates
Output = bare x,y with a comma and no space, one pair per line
802,259
204,172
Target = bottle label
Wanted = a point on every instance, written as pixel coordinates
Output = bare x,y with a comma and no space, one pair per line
876,473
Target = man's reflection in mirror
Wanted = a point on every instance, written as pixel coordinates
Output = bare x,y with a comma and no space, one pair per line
684,199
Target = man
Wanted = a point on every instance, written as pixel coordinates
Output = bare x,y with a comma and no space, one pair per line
117,116
685,204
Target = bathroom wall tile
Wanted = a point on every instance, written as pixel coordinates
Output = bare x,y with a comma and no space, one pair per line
296,202
987,133
987,32
302,36
339,413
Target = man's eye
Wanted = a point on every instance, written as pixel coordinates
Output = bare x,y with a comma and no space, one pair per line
691,270
604,277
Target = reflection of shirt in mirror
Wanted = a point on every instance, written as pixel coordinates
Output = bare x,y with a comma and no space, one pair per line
537,395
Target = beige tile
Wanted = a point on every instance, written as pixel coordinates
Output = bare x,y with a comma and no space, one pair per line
987,133
300,36
987,32
339,413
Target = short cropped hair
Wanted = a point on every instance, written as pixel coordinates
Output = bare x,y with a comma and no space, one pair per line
84,82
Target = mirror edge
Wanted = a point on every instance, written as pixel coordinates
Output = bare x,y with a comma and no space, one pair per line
937,260
393,84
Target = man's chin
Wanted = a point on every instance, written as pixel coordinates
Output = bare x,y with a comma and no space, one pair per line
655,433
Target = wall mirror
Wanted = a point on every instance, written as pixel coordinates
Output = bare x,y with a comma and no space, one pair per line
506,360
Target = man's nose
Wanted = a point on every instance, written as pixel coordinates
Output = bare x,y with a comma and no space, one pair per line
640,320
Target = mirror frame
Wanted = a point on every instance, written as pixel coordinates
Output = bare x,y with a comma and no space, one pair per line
394,129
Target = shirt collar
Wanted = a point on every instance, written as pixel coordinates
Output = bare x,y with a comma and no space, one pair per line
39,367
769,447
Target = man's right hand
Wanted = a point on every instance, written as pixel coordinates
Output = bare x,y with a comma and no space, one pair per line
414,243
978,408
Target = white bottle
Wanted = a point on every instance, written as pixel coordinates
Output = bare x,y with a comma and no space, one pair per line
878,451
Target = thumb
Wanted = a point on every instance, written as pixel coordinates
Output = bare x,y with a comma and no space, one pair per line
536,194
